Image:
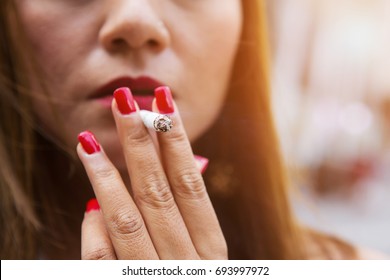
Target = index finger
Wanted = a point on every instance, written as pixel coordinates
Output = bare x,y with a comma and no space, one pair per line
124,223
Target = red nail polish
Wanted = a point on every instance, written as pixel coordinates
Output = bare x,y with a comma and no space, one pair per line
164,100
125,101
92,205
89,143
202,163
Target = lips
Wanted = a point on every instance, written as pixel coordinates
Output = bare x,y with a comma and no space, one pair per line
142,89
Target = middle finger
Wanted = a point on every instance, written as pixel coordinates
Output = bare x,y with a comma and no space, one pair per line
149,184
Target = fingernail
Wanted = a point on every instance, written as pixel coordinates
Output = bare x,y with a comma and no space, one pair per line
164,100
88,142
202,163
125,101
92,205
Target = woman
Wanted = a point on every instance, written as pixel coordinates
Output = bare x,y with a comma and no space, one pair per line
61,61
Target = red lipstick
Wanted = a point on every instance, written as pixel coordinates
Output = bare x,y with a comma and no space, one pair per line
141,87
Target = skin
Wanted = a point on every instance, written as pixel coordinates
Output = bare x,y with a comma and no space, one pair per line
76,43
188,45
169,216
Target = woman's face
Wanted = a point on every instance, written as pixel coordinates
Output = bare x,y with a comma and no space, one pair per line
87,48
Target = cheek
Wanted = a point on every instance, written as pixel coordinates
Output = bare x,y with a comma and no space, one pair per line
61,39
210,50
44,32
60,36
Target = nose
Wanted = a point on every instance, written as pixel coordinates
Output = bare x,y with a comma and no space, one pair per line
133,24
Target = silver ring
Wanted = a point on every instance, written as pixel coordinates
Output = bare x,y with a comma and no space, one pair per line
163,123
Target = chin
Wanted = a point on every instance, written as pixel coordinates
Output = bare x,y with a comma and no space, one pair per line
113,148
115,154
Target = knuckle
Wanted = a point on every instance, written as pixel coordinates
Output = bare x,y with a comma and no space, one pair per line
126,224
156,194
190,185
177,136
106,174
104,253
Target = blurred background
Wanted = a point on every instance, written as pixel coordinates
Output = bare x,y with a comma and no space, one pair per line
331,84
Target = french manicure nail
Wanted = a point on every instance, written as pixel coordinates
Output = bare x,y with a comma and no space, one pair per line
92,205
202,163
125,101
164,100
88,142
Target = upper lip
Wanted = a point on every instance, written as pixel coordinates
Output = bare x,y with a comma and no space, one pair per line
142,85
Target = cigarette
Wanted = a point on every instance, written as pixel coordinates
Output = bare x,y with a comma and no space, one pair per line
158,122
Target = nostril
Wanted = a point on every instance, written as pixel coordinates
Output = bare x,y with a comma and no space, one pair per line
153,43
118,42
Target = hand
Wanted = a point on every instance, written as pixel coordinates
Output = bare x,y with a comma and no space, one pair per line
169,215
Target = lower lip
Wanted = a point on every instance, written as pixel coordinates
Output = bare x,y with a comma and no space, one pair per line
144,102
105,101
